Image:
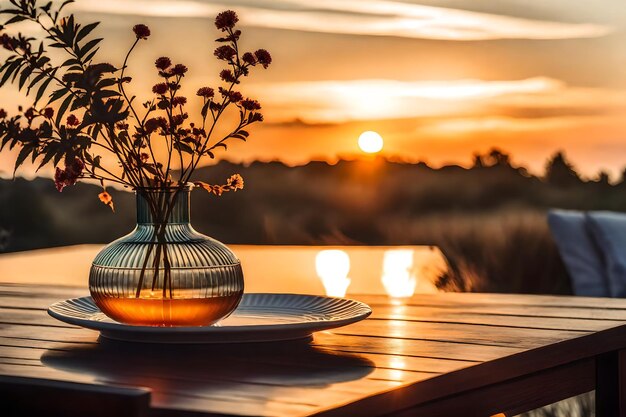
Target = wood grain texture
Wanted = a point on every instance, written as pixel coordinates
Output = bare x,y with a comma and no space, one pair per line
427,354
521,394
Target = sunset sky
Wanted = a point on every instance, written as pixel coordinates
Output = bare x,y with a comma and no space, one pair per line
439,80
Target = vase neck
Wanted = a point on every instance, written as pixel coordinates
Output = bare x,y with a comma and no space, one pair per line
164,200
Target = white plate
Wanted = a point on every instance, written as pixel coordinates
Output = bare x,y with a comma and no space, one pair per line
258,318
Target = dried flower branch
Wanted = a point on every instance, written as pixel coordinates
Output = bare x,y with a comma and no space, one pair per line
103,118
89,113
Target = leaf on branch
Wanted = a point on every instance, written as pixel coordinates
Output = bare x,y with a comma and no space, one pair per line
15,19
19,68
91,55
241,135
58,94
21,157
8,71
63,109
107,94
42,89
57,158
46,7
205,109
152,169
183,147
42,61
106,199
35,80
49,153
88,46
85,31
24,76
96,131
71,61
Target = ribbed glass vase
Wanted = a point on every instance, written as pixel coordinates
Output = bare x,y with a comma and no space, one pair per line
164,273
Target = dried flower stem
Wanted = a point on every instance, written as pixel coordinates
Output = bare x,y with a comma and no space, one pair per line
105,108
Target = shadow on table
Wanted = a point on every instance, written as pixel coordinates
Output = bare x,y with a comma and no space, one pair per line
209,367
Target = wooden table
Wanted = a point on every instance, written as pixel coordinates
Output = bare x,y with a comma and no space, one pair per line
431,355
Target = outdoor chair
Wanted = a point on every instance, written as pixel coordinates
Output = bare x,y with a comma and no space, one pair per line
593,248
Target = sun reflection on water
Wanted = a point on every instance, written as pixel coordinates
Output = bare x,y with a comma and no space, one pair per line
333,266
398,273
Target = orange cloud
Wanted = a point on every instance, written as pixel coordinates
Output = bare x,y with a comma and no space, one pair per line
360,17
341,101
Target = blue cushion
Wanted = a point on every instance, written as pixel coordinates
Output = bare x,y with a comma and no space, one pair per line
580,253
609,230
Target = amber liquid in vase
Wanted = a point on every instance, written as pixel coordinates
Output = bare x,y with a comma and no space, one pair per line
168,312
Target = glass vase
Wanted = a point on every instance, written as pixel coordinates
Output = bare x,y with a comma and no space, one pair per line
165,273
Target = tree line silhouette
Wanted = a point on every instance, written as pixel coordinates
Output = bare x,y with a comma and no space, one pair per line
356,202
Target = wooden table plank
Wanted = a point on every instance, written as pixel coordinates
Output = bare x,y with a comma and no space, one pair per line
549,318
528,311
250,386
411,352
452,300
416,348
380,361
527,338
471,333
182,399
521,394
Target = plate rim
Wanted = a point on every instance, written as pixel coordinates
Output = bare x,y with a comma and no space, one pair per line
311,326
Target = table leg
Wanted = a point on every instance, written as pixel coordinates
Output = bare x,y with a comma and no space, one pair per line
611,384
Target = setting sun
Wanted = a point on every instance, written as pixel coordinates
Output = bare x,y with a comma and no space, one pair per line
370,142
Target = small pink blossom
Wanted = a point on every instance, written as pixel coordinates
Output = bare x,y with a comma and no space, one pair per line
228,76
226,20
206,92
249,58
163,63
72,120
154,123
160,88
179,69
179,101
235,96
250,104
141,31
48,112
225,52
59,179
263,57
69,175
